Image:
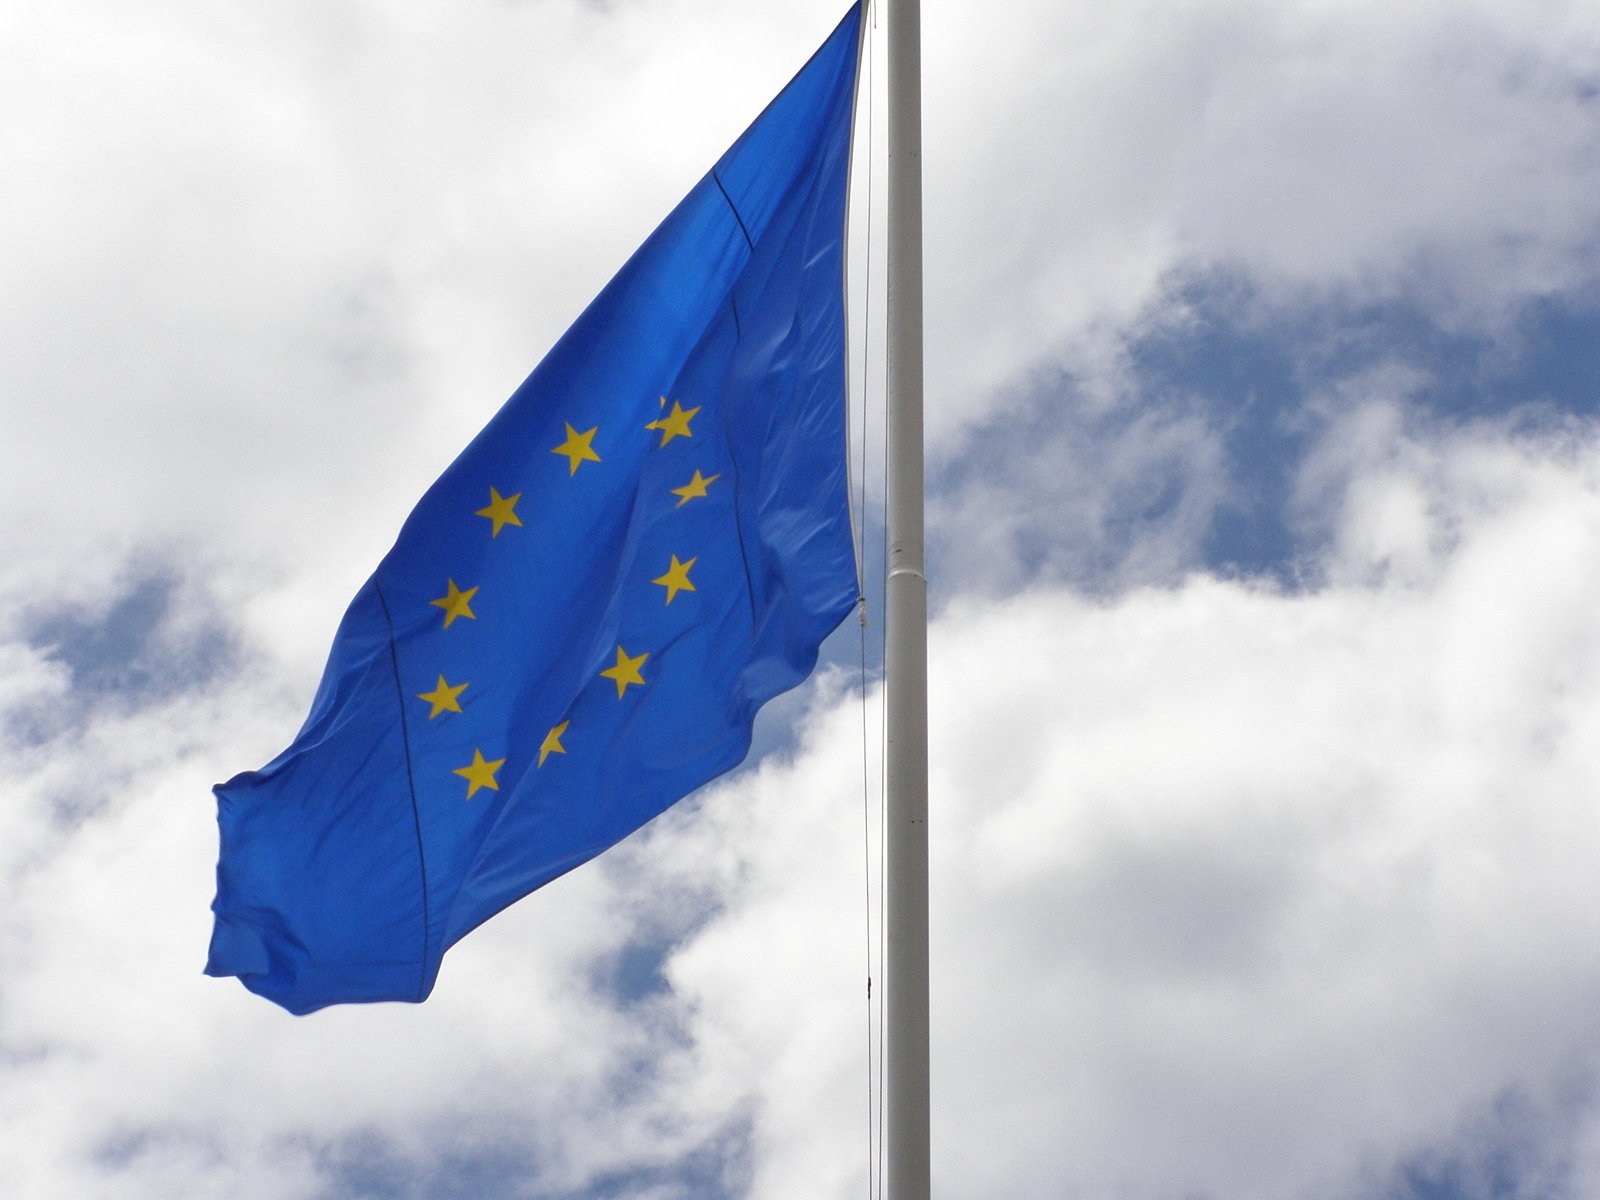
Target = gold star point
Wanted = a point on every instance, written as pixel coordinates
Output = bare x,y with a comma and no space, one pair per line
695,489
675,423
479,773
501,510
456,603
443,698
578,448
552,742
626,670
677,578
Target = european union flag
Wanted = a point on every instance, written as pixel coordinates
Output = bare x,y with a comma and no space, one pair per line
580,619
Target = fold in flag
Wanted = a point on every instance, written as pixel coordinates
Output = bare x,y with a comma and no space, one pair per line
579,620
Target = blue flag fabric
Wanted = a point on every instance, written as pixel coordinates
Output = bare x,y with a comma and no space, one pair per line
581,617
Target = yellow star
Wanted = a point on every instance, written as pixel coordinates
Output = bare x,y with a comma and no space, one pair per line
674,424
444,698
479,773
677,578
502,510
552,742
626,671
577,448
456,603
695,488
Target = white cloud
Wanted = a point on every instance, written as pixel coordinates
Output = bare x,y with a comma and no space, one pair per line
1079,155
1238,892
1072,489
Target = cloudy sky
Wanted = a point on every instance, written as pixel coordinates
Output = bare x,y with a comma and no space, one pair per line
1264,420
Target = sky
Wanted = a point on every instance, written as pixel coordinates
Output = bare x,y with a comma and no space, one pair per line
1263,403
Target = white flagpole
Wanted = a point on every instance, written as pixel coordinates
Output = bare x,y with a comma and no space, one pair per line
906,1143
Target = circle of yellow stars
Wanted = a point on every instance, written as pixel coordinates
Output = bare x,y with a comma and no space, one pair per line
501,513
